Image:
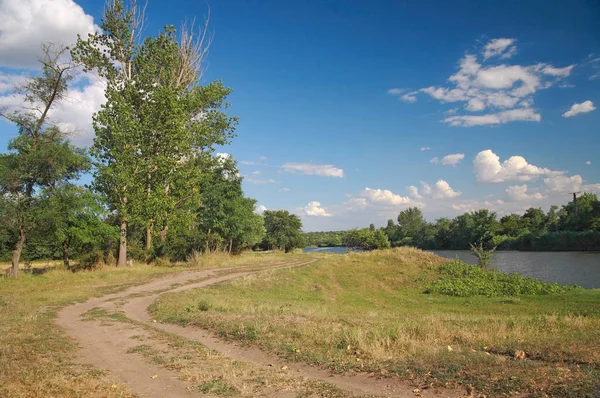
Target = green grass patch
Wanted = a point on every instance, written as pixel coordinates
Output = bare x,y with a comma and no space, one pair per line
464,280
367,312
218,387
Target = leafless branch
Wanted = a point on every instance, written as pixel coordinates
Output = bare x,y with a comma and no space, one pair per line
193,51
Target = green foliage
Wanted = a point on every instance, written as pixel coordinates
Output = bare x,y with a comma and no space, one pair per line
324,239
40,156
149,133
283,230
483,254
366,239
461,279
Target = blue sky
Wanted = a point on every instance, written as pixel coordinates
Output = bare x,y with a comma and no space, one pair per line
345,106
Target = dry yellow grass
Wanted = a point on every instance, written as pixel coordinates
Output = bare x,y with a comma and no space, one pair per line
366,311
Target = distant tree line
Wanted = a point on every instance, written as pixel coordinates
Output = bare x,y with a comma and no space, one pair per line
574,226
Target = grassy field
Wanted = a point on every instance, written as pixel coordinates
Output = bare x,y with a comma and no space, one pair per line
36,356
368,312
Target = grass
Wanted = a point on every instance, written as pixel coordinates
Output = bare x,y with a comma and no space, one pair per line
211,373
36,356
367,312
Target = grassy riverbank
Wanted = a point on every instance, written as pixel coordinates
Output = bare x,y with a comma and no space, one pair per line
368,312
36,357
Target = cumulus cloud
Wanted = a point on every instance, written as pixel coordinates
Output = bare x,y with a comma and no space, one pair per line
74,113
488,169
414,192
325,170
260,209
504,92
25,24
588,162
314,209
563,184
384,197
441,190
584,107
449,160
519,193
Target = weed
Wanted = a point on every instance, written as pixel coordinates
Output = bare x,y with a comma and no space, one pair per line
218,387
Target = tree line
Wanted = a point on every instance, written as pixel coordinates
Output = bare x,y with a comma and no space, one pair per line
158,188
574,226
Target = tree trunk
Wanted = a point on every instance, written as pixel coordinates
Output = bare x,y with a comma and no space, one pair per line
149,232
163,233
122,261
16,254
230,244
207,239
66,255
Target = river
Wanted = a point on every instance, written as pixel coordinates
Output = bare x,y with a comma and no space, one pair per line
564,268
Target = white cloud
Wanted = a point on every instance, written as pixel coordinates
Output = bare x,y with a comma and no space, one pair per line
586,106
561,72
315,209
255,173
414,192
441,190
284,190
425,148
588,162
74,113
502,48
263,158
26,24
503,92
519,193
260,209
563,184
325,170
223,156
449,160
525,114
9,81
259,181
488,169
355,204
384,197
402,93
409,97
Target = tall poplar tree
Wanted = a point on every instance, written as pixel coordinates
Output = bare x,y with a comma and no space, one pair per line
156,120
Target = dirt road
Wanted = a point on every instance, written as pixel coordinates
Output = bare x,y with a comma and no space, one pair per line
110,345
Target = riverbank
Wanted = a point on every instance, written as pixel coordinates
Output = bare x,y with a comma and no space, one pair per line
367,312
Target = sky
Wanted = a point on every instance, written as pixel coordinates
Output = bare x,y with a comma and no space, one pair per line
352,111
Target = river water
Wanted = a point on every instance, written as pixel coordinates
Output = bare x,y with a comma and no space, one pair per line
564,268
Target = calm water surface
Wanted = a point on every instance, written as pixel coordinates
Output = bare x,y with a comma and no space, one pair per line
564,268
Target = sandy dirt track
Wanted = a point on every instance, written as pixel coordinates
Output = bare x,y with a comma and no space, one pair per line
105,345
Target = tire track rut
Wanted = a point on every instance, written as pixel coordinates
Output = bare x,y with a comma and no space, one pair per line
106,346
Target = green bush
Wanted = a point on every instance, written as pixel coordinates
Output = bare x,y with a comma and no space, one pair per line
464,280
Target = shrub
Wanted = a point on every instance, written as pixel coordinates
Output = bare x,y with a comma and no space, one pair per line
464,280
